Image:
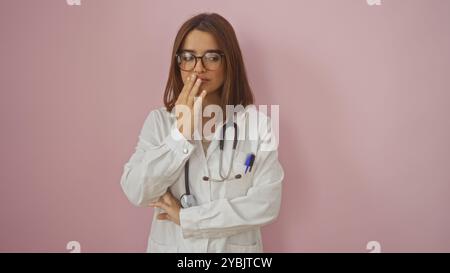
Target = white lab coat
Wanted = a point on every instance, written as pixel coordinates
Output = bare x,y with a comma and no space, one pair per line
229,214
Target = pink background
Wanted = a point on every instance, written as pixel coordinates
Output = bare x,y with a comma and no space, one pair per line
364,104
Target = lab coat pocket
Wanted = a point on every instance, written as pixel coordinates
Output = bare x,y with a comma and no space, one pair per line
156,247
238,187
234,248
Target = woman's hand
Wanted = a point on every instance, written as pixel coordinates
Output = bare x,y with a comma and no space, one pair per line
171,205
187,98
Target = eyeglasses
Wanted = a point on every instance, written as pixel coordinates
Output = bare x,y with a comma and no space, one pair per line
210,60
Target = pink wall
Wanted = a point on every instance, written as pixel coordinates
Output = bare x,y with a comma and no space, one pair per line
364,104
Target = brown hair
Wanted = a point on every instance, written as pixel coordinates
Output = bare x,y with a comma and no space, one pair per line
236,89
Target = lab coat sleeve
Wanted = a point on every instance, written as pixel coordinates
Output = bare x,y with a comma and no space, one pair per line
157,162
226,217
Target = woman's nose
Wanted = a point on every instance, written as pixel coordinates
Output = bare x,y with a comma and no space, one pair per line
199,68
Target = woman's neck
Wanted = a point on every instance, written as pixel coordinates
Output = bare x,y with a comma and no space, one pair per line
213,98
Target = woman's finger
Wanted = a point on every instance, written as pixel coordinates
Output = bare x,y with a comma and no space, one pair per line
193,93
167,198
202,96
163,216
198,101
187,88
168,193
160,205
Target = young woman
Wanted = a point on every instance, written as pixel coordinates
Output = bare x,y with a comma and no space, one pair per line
211,194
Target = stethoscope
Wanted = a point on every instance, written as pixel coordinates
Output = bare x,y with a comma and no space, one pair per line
188,200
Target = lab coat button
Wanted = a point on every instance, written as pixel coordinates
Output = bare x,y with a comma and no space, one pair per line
185,150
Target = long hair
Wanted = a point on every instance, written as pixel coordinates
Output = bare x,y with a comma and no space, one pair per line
235,89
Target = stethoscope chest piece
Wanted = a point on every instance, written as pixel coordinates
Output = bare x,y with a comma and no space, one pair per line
188,200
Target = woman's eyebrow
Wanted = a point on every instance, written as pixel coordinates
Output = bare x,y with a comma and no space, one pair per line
209,50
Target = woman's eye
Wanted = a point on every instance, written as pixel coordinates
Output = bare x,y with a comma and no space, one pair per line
212,58
187,58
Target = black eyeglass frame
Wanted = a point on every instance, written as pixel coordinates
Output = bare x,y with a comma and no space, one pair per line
178,55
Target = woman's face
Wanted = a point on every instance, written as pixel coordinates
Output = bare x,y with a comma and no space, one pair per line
199,43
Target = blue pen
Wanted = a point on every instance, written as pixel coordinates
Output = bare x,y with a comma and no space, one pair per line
249,162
